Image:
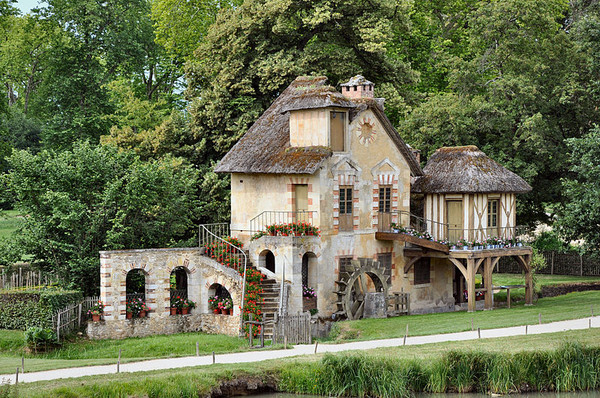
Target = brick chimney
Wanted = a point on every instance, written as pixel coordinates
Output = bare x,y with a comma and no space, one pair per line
358,87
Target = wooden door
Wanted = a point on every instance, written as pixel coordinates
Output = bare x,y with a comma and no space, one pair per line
301,202
454,214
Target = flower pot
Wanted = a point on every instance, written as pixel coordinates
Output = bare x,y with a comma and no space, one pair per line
129,315
173,310
453,248
224,312
465,247
184,311
216,310
96,318
142,314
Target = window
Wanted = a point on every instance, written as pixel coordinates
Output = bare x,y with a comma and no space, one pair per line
385,259
337,130
345,262
385,198
422,271
345,218
492,217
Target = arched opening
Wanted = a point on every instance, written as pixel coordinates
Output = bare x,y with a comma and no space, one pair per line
219,300
309,282
267,260
178,282
135,292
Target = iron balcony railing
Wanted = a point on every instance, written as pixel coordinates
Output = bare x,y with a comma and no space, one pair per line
267,218
443,231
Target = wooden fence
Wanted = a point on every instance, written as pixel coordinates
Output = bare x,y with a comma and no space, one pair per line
399,303
293,329
557,264
71,318
24,278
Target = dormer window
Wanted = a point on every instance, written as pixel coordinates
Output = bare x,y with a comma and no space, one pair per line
337,130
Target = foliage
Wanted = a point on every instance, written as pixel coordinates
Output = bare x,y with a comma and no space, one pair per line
135,306
226,254
37,338
252,301
20,309
95,198
97,308
308,292
580,215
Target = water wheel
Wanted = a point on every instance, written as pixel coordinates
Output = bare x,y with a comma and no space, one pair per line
352,286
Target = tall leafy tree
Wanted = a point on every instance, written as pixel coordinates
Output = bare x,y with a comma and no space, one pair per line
95,198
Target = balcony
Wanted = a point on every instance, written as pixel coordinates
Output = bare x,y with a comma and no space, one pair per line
289,223
407,227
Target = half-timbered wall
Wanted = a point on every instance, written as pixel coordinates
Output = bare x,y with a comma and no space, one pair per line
475,211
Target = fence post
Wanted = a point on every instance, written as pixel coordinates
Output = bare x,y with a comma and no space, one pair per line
79,317
581,265
552,263
58,327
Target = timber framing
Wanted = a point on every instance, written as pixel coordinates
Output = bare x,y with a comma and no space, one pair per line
469,262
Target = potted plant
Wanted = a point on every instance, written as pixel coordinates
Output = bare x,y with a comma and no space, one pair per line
186,305
136,308
464,243
213,304
143,310
225,305
96,311
174,305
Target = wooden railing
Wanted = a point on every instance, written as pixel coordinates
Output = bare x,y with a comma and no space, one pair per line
72,317
293,329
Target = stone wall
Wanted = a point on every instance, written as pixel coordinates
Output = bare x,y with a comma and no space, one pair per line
155,325
203,273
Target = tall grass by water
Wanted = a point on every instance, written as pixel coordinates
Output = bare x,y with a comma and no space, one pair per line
572,367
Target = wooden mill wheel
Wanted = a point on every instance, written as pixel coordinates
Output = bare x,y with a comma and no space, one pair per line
352,286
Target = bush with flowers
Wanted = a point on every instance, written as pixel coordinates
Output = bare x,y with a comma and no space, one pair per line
136,306
224,253
97,308
308,292
252,301
289,229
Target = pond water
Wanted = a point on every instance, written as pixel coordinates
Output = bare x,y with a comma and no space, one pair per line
584,394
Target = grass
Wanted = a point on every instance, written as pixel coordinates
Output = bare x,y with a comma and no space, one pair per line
9,222
569,306
83,352
542,280
298,374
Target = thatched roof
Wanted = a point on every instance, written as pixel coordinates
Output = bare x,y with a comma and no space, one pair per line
466,169
265,148
357,80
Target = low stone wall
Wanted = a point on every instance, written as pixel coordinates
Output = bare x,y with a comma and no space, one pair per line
153,325
558,290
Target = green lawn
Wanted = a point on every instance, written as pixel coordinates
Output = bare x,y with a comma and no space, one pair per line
9,221
542,280
570,306
199,381
83,352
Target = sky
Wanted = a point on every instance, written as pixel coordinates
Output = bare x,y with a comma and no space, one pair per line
26,5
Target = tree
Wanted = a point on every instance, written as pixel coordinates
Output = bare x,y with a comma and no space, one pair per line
580,214
255,50
95,198
518,96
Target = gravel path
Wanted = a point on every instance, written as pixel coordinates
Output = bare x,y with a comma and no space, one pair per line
256,356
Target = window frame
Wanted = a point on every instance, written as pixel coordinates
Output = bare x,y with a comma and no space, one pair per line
421,268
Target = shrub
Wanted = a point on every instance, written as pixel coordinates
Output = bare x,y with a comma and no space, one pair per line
38,338
20,309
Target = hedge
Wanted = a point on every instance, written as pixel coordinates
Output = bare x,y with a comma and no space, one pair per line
20,309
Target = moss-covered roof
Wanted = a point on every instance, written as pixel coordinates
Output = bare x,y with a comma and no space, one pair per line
467,169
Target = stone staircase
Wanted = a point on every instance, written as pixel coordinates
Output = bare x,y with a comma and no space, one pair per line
270,305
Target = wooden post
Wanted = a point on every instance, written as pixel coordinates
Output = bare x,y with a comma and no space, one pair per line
214,358
316,346
489,294
526,327
250,334
79,317
580,265
119,362
262,332
478,333
552,263
197,349
17,377
58,327
471,284
528,285
472,325
508,297
285,342
405,334
540,318
23,363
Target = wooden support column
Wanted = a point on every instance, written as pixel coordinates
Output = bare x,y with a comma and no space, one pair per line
525,261
488,267
471,284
